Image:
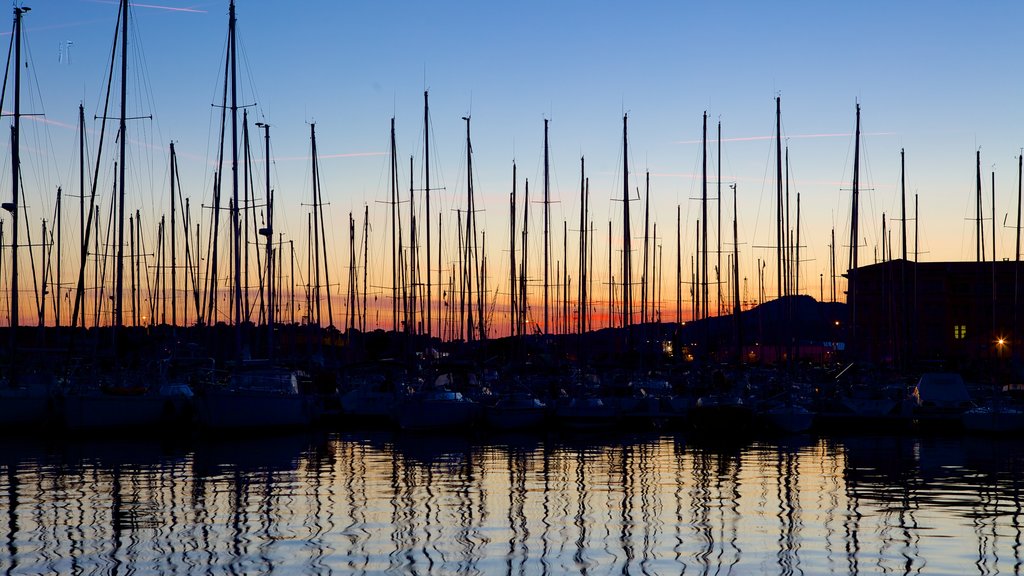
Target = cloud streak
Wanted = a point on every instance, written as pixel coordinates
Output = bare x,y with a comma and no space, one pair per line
156,7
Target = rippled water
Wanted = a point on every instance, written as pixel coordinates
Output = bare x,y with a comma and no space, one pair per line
372,503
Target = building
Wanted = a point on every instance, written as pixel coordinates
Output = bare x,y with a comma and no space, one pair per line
954,313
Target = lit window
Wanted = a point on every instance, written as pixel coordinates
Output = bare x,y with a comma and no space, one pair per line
960,331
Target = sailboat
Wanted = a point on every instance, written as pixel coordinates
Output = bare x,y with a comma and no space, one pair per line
253,394
120,398
24,398
721,411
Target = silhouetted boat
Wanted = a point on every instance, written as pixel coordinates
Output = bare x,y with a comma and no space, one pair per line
993,418
256,398
371,400
123,401
940,397
586,413
788,417
26,405
515,411
436,408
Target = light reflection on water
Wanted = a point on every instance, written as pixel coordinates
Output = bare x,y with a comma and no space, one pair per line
376,502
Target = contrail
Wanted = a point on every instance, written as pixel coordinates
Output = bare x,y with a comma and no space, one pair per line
154,6
789,137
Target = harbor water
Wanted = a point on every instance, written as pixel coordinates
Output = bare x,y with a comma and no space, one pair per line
382,502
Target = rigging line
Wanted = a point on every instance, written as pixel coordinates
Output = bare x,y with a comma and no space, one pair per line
31,255
92,195
50,157
7,69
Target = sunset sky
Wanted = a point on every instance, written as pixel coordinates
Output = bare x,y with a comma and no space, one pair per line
938,80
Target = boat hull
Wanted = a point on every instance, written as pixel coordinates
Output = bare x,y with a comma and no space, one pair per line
102,411
236,410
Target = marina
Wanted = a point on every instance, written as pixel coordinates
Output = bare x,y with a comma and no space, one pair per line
305,351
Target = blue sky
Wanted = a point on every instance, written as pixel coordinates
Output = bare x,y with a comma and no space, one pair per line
938,79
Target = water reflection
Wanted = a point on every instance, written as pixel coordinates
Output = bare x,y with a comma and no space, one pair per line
377,502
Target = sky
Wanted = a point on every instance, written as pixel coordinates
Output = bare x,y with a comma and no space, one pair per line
937,80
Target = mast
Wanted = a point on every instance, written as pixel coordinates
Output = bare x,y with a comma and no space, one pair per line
979,230
737,308
1020,172
718,232
395,239
311,225
779,241
565,277
582,320
523,297
646,275
855,198
122,138
84,244
588,255
513,327
413,252
42,276
679,267
58,284
832,263
704,231
993,216
627,298
268,231
235,223
547,224
470,244
366,255
426,169
903,201
174,253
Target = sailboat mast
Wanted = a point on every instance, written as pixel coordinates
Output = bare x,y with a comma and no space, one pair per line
565,277
58,283
547,224
470,234
268,231
737,308
513,324
679,266
1020,173
235,224
854,221
394,231
366,256
523,296
413,251
978,226
583,250
426,190
645,282
779,241
174,236
122,138
81,200
704,220
718,231
314,227
903,201
627,297
588,258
